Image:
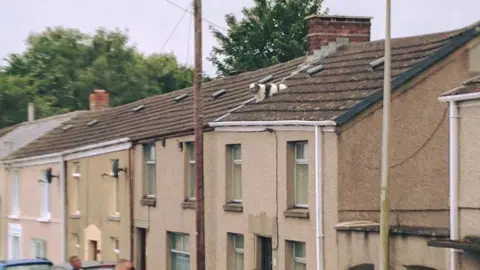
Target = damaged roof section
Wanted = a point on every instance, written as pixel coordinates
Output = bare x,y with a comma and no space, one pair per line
347,83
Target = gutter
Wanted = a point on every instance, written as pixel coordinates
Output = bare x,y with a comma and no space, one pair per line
461,97
319,230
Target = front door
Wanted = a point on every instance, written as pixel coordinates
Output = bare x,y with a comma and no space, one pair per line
265,253
142,248
93,250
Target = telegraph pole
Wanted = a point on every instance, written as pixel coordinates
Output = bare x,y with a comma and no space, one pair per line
385,204
198,126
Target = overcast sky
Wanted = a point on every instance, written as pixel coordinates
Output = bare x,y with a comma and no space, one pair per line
150,22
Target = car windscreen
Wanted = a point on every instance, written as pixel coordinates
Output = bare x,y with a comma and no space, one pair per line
29,267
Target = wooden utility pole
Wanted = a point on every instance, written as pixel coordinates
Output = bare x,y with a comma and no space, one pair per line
385,203
198,126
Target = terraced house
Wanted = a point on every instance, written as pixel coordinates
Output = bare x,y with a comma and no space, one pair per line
31,205
291,179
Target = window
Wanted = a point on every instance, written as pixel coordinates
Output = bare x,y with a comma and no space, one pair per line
116,248
191,171
298,256
235,254
179,251
45,207
234,173
39,248
76,241
150,170
14,241
116,193
76,189
15,193
300,175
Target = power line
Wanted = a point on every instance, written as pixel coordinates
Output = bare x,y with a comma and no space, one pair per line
175,28
184,9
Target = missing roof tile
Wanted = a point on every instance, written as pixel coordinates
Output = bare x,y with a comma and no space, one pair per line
179,98
219,93
376,63
138,108
315,69
266,79
67,127
93,122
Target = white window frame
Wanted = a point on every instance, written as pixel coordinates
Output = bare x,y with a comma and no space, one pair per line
15,189
76,238
116,193
14,231
45,210
151,161
116,247
237,250
298,161
191,166
232,149
172,250
299,260
34,244
76,176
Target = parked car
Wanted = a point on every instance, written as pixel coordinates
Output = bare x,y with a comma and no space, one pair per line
94,265
26,264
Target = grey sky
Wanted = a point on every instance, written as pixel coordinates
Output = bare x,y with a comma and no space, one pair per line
150,22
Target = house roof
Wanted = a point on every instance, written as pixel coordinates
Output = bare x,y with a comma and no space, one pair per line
24,133
469,86
162,116
347,84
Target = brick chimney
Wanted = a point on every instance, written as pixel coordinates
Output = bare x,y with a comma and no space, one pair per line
99,100
326,29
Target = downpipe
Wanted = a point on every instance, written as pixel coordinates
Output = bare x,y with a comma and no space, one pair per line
319,197
453,182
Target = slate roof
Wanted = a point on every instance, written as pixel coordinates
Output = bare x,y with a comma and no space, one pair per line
469,86
347,84
161,116
24,133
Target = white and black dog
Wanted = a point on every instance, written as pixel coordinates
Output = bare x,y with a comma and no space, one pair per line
263,91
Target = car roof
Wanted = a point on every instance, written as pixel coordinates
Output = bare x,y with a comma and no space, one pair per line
86,265
24,262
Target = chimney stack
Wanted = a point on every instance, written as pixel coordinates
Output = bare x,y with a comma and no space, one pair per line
324,30
99,100
31,112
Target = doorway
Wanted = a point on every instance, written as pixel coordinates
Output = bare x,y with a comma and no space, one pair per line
141,249
265,249
93,247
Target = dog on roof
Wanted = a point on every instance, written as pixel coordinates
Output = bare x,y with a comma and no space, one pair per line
263,91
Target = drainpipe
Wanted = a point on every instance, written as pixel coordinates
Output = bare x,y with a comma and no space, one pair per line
63,211
453,181
131,155
3,214
319,196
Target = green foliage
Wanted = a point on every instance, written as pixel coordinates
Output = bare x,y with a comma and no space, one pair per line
61,67
271,32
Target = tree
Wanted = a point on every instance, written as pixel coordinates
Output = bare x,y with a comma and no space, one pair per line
271,32
61,67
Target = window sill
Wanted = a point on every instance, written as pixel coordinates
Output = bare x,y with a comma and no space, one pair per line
189,204
233,207
14,216
47,218
297,213
148,201
114,217
75,215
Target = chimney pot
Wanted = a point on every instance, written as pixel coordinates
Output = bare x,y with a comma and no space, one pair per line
99,100
324,29
31,112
